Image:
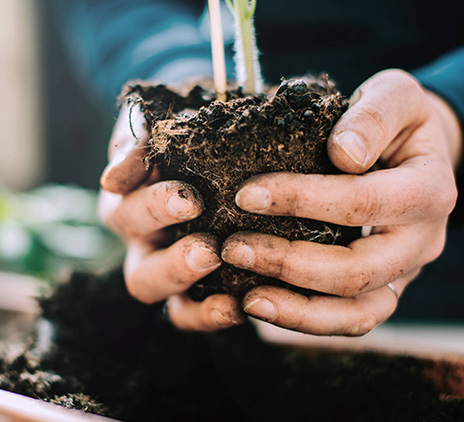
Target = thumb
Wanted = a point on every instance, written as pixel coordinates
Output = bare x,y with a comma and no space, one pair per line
380,108
128,147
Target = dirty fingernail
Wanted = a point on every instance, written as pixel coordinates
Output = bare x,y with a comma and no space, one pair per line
253,198
240,255
117,159
200,258
352,145
180,207
355,97
261,308
222,320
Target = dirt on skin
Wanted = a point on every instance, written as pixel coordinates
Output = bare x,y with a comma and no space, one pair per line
114,356
215,146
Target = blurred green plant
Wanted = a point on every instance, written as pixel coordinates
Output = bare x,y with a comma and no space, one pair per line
53,229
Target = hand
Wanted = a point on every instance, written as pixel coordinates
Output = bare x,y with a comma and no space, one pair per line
139,207
415,137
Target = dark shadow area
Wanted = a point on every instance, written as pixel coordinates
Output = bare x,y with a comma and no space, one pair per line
76,128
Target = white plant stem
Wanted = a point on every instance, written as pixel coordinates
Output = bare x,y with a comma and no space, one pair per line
217,47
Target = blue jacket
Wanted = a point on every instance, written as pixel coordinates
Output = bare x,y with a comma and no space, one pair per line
112,41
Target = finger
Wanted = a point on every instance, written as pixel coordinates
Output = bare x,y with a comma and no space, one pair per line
150,208
128,147
153,275
403,195
380,109
324,315
214,313
366,264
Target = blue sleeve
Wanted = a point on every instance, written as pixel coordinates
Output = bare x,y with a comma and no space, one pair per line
112,41
445,77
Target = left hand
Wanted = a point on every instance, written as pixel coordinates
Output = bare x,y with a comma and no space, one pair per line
415,137
140,208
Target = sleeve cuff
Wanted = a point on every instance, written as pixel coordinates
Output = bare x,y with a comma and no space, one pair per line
445,77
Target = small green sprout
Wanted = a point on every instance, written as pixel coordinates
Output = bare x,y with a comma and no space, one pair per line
246,51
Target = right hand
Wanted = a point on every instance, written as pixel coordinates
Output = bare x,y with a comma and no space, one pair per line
137,206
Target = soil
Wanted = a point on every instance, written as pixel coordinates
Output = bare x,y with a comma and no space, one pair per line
215,146
114,356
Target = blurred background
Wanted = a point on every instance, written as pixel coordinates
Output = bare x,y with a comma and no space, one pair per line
53,149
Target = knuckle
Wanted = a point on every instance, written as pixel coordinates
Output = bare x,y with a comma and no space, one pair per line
447,200
374,118
373,124
409,88
404,82
277,262
108,204
365,205
297,206
150,204
356,280
405,79
436,248
120,225
364,324
179,282
354,283
278,269
134,287
298,323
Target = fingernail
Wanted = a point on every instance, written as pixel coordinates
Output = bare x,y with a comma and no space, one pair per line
180,207
352,145
220,319
200,258
117,159
238,254
261,308
253,198
355,97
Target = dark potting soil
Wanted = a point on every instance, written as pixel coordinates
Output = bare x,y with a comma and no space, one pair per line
114,356
215,146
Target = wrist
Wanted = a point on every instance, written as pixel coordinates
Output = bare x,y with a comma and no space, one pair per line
452,125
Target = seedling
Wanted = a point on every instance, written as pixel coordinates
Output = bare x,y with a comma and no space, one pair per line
246,52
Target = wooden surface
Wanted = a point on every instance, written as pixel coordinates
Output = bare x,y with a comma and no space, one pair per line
17,408
401,338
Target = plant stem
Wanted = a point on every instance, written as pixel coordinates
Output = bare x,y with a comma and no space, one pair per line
246,52
217,47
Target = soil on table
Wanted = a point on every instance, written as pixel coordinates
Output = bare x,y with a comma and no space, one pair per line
114,356
215,146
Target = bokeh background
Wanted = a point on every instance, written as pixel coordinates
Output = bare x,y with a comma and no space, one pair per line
52,151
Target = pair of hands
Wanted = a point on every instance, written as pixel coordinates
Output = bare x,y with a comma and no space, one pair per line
413,135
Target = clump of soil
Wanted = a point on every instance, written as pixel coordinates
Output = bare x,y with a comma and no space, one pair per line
26,372
114,356
220,145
